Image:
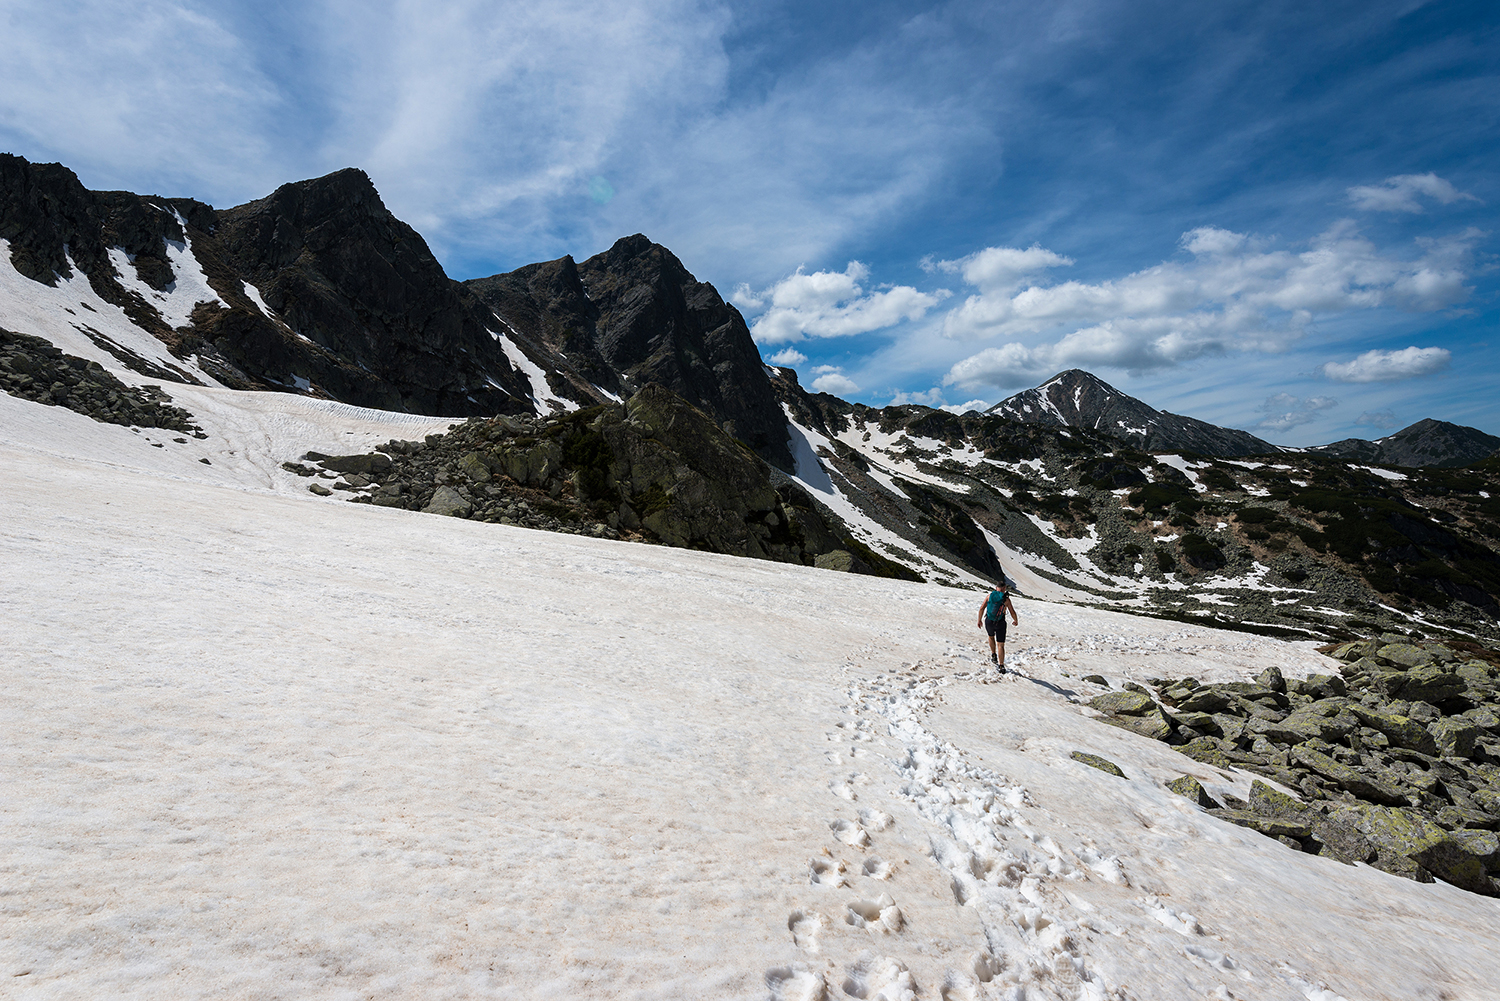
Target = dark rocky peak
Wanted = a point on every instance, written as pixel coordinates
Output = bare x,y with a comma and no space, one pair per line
634,315
1426,443
1076,398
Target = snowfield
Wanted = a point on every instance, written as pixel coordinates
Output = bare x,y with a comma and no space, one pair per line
264,745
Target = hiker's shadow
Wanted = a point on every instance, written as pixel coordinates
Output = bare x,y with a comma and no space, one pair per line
1066,693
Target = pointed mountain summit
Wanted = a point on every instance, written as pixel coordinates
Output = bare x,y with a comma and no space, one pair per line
1076,398
1425,443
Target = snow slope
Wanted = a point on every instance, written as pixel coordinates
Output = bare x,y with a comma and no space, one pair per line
264,745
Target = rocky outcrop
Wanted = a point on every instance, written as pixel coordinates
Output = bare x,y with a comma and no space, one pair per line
1407,785
1076,398
33,369
653,469
634,315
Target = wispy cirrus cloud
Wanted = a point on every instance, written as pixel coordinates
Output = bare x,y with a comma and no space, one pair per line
1384,419
1284,411
1389,366
830,304
1402,192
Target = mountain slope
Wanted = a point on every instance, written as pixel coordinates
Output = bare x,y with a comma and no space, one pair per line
1076,398
1425,443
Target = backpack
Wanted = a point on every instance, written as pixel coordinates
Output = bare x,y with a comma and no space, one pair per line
994,609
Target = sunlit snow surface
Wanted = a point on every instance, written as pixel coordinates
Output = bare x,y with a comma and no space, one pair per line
261,744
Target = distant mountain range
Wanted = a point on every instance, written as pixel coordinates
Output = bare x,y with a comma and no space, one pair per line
623,395
1425,443
1078,399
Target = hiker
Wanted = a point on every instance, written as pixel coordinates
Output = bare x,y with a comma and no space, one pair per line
992,619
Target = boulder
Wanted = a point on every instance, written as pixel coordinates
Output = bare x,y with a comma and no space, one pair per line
1404,655
1310,722
446,500
1454,736
473,466
1274,803
1094,761
1409,845
1153,724
1207,750
1272,679
1273,827
1192,789
1354,651
841,560
1123,703
1318,686
1347,778
373,462
1432,684
1205,700
1401,731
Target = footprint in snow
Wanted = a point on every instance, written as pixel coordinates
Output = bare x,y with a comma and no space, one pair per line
805,926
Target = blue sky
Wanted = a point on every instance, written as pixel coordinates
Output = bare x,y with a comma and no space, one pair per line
1275,216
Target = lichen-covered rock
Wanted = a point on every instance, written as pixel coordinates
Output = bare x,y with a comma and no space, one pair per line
1350,652
1207,750
1404,655
1318,686
1153,724
1345,777
1455,736
1407,844
1311,722
1205,700
1400,730
1274,827
1272,679
1273,802
1094,761
473,466
1190,788
1123,703
1431,684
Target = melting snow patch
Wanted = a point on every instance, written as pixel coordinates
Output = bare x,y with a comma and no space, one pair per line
541,393
1384,473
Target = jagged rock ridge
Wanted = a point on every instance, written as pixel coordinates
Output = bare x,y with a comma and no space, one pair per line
1076,398
1425,443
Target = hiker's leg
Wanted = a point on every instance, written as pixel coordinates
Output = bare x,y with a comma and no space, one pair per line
1000,656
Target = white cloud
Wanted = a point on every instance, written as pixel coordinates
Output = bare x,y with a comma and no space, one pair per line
831,304
1001,270
1285,411
1232,295
1399,193
1384,419
787,356
831,380
963,408
1387,366
931,398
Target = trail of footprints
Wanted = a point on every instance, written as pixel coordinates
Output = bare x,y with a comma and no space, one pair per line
1014,877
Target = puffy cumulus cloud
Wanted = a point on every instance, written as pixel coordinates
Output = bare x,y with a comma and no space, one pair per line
1400,193
830,304
1001,270
1388,366
1232,294
831,379
788,356
962,408
1384,419
1284,411
931,398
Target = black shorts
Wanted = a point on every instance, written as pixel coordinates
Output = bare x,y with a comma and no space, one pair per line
996,629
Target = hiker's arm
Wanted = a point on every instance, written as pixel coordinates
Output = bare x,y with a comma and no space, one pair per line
1013,620
979,623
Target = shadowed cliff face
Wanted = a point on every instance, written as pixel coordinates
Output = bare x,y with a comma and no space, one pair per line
341,271
634,315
